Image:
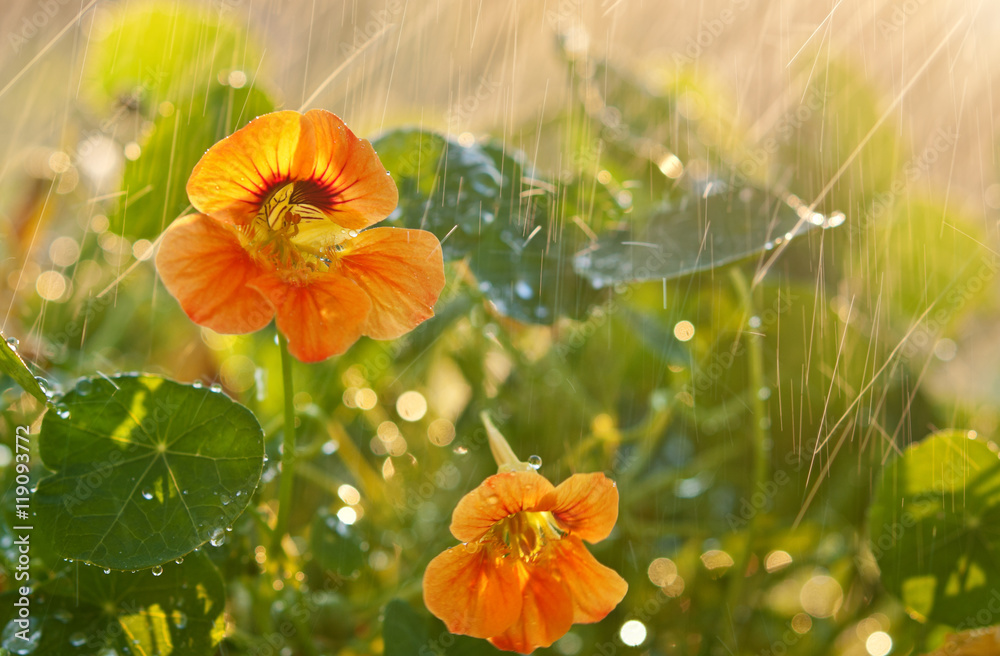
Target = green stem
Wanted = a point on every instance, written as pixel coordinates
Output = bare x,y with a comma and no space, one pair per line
761,444
288,445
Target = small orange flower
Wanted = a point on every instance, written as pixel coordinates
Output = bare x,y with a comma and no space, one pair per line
523,576
284,205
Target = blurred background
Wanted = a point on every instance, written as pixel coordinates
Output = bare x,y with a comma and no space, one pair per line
872,335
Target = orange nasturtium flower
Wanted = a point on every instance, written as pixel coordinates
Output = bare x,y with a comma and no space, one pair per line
284,205
523,576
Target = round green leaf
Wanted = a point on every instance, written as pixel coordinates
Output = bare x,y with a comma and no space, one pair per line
518,231
933,528
146,470
702,231
178,612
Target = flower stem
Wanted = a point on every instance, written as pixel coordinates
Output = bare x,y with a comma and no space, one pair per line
761,440
288,445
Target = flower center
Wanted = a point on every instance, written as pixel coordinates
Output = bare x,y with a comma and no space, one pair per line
293,230
525,534
292,202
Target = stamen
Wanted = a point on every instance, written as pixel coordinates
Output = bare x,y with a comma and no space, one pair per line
525,535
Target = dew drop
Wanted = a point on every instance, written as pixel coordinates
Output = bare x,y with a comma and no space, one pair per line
472,547
179,561
535,462
107,570
157,570
216,387
197,384
218,538
493,500
769,246
147,494
84,387
352,233
12,342
61,411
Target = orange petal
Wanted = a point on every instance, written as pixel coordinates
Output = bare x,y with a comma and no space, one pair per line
595,589
546,613
472,593
499,496
204,266
586,505
363,193
321,316
234,177
401,271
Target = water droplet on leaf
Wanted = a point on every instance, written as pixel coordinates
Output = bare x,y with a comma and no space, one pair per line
157,570
218,538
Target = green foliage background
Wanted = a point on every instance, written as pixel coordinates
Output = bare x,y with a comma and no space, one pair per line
786,485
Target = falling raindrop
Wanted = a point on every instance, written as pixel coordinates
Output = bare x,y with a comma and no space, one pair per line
157,570
523,290
535,462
